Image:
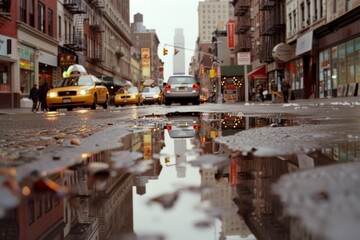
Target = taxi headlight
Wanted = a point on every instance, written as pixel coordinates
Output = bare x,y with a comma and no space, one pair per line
83,92
52,94
156,96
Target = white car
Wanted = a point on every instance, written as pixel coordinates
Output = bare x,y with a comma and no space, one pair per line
182,89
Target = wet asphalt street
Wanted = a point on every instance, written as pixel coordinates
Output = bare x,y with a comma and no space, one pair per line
52,140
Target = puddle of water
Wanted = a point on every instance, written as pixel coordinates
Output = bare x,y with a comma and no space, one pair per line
172,181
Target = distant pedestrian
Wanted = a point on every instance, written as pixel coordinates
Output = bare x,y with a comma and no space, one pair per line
285,88
261,93
34,96
44,88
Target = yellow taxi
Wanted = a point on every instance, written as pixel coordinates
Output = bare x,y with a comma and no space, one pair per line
77,89
127,96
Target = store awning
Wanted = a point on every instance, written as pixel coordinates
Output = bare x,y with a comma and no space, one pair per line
259,73
231,71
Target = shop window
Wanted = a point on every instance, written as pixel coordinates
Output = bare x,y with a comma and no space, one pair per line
357,59
5,85
350,61
38,206
342,63
334,67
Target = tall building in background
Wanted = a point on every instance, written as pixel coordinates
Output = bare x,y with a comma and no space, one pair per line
179,52
213,15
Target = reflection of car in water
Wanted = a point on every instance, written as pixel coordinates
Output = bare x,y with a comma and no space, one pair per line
77,89
182,125
128,96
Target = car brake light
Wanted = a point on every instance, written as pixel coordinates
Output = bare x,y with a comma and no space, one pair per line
167,87
196,126
195,86
168,127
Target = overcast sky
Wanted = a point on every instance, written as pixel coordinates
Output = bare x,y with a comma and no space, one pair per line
165,16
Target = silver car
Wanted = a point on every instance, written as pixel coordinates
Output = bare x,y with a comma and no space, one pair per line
182,89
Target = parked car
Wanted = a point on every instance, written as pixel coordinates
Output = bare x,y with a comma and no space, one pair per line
77,89
182,89
151,95
128,96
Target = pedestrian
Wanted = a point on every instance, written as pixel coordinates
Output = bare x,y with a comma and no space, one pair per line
285,88
261,92
34,96
44,88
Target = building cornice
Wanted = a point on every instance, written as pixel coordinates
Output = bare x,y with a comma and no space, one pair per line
36,33
127,37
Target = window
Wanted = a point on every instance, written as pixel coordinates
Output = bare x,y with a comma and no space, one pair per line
321,8
39,207
50,22
32,13
23,11
334,6
59,28
48,204
350,61
342,63
357,59
31,213
41,17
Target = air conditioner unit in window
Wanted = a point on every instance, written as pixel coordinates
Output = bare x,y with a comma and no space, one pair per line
252,29
257,24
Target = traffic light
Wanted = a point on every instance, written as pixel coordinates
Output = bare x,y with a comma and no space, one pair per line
165,51
202,71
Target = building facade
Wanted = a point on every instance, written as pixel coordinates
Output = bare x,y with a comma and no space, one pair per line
147,43
40,39
213,15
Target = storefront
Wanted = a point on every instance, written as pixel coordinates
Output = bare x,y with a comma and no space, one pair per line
339,69
27,68
300,72
339,56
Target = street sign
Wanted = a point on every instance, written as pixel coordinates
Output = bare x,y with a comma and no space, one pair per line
243,58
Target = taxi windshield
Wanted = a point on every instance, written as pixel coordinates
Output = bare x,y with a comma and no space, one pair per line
77,81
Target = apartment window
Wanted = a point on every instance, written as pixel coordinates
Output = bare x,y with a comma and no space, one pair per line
321,15
295,25
41,17
31,212
50,22
38,207
32,13
48,203
65,32
334,6
59,27
302,8
23,11
315,10
290,22
308,12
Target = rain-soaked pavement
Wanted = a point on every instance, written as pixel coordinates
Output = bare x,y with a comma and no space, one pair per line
189,175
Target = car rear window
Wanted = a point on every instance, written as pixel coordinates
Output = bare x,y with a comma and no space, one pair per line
181,80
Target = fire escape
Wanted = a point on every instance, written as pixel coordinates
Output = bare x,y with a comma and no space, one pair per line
96,32
76,41
243,25
272,30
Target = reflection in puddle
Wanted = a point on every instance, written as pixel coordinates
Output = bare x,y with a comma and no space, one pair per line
172,181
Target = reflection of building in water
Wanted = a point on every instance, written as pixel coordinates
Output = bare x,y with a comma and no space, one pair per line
180,150
39,216
260,209
210,127
221,197
100,213
149,143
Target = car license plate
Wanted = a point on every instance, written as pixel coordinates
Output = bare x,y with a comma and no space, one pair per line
125,100
67,100
181,88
